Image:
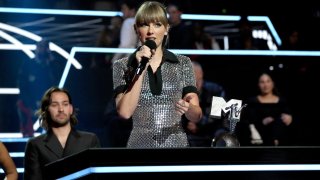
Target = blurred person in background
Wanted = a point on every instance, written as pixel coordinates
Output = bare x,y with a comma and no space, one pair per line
109,38
268,115
202,40
202,133
34,77
293,40
180,31
128,36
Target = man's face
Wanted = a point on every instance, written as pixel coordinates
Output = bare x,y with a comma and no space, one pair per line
60,109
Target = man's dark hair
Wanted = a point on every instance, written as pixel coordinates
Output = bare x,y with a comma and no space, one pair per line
43,112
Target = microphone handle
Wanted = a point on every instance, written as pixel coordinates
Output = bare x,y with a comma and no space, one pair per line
142,65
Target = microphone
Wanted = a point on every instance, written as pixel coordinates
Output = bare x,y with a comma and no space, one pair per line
144,60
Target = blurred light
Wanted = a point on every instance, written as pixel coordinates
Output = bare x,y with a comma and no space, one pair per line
36,125
91,50
61,12
74,50
118,13
200,52
9,91
271,68
193,168
17,43
16,154
210,17
14,47
14,137
246,52
224,11
37,38
20,31
66,55
263,34
226,42
20,170
267,20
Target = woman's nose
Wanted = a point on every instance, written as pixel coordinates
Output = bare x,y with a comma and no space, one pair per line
151,29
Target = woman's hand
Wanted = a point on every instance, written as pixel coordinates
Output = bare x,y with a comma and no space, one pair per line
144,51
267,120
182,107
286,119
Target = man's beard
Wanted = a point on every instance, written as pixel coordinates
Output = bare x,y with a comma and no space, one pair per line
59,124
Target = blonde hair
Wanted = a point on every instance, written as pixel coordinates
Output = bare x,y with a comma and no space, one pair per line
151,11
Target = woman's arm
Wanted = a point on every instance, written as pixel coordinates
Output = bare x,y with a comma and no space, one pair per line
7,163
127,102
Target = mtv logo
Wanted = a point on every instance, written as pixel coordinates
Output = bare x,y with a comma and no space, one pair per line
219,104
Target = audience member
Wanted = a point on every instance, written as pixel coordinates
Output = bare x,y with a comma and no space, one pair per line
57,117
202,133
109,37
35,76
7,164
202,40
157,96
179,29
268,115
128,36
245,40
292,41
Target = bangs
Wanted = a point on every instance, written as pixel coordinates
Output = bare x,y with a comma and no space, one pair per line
151,14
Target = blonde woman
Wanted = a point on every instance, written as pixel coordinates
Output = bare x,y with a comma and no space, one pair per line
157,96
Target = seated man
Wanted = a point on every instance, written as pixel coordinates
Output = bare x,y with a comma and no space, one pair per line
58,118
202,133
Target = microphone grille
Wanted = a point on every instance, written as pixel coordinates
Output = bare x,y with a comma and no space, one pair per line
151,44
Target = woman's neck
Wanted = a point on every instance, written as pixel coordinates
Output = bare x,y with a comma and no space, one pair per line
268,98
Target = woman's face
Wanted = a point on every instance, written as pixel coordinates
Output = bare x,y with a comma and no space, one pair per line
265,84
152,31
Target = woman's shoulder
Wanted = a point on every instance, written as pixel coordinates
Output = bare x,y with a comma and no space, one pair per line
176,57
121,61
184,60
182,57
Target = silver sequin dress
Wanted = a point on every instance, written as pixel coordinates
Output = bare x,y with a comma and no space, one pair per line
156,124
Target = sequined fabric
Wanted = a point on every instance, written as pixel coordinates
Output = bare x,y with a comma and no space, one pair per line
156,124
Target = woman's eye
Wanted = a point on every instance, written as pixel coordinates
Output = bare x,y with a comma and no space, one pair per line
143,24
